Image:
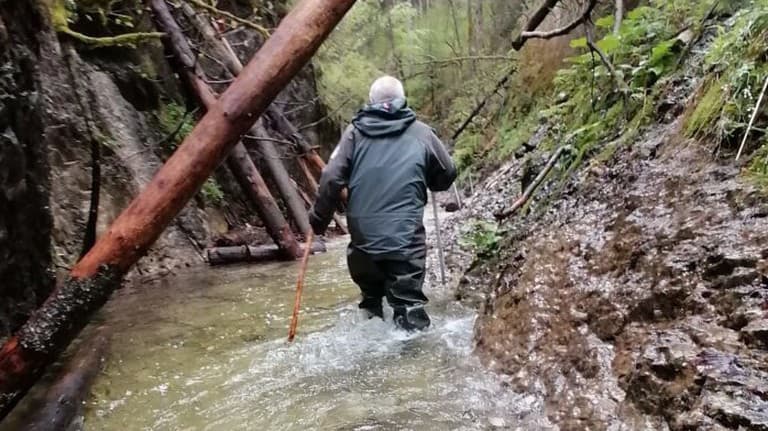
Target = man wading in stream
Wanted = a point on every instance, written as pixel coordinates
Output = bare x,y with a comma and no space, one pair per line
387,159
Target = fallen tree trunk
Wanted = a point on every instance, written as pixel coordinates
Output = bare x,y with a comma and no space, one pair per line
276,167
92,280
251,181
63,402
248,253
239,162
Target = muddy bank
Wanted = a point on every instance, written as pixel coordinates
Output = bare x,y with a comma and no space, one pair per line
639,299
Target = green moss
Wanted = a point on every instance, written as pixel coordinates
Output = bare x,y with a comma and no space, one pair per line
64,12
706,113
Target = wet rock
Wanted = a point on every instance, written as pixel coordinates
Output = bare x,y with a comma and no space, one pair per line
452,206
665,380
756,333
721,266
623,286
735,394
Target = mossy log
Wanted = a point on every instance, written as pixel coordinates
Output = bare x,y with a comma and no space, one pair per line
92,280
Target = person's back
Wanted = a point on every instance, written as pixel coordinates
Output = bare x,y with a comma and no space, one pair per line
388,160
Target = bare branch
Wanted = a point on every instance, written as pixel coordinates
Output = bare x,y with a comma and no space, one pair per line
462,59
538,17
329,115
268,139
216,11
501,83
523,199
620,84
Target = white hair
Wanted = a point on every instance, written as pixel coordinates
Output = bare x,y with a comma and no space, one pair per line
386,89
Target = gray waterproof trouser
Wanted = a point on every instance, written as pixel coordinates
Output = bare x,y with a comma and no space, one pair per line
400,281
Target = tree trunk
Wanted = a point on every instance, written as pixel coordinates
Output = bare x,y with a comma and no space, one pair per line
239,162
246,253
393,45
63,402
25,355
250,180
224,53
274,163
288,129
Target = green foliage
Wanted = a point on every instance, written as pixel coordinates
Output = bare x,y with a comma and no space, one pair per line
737,67
482,237
428,48
211,192
601,107
176,122
513,132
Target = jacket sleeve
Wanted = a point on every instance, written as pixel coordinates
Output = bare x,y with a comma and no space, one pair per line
441,171
334,178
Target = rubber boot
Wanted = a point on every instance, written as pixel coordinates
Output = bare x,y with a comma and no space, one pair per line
411,318
372,307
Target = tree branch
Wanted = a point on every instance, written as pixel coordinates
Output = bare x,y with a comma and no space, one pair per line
462,59
523,199
538,17
326,117
482,104
216,11
620,84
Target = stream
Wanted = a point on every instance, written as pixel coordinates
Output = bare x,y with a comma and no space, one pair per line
207,350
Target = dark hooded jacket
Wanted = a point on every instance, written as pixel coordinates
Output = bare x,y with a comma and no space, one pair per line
388,160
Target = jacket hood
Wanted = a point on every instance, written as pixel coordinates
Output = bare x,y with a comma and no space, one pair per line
384,119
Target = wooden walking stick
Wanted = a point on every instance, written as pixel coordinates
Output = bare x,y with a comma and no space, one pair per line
439,238
300,286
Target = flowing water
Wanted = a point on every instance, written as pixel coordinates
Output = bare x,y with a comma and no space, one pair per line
207,350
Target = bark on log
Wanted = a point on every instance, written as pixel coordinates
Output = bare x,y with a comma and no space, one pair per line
63,402
25,355
276,167
239,162
247,253
312,184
